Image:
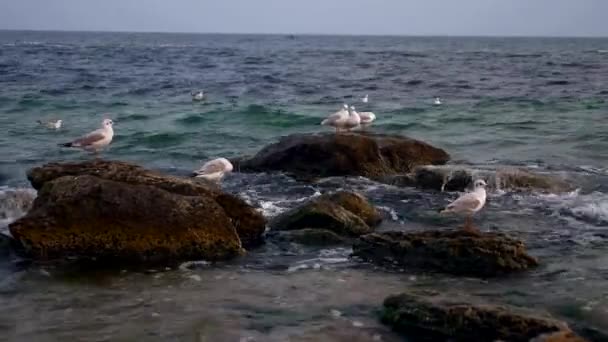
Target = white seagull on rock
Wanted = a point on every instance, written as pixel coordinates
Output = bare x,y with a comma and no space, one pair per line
214,170
469,203
337,119
367,117
354,120
96,140
54,124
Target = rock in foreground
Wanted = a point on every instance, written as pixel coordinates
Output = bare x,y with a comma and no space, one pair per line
438,317
312,156
456,252
328,219
104,209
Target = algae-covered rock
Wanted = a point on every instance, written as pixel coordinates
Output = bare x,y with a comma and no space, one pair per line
457,252
432,316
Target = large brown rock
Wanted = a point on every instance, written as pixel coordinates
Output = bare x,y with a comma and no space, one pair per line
105,209
311,156
457,252
329,218
250,224
441,317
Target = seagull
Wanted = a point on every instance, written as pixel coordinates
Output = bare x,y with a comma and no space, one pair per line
437,101
198,96
367,117
214,170
54,124
354,120
365,99
469,204
96,140
337,119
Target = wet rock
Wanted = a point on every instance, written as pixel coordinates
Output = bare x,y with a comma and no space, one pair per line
329,218
310,156
456,252
90,217
249,223
455,178
560,336
439,317
310,236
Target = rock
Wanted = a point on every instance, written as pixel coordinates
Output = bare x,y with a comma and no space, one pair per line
356,204
90,217
250,224
310,236
455,178
310,156
436,317
456,252
560,336
329,219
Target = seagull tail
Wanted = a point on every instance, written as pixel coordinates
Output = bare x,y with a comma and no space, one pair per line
66,144
39,122
445,211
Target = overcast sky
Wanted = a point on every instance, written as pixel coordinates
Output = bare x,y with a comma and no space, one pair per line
398,17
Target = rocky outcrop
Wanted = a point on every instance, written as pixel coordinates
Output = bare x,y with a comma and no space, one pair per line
14,203
455,178
456,252
327,219
104,209
455,317
250,224
310,156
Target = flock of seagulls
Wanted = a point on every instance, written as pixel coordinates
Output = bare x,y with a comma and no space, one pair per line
347,118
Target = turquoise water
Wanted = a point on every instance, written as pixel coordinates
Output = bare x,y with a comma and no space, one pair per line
537,104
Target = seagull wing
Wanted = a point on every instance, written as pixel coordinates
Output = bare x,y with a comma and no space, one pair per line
89,139
465,203
212,166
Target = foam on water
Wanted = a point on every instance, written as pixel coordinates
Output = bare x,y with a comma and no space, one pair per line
589,208
14,203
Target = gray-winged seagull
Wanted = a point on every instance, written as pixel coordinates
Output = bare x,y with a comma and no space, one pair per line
96,140
469,203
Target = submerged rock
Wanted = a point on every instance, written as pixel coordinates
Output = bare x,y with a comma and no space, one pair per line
456,252
455,178
455,317
329,218
105,209
353,154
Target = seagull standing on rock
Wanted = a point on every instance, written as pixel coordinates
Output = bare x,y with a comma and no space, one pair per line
214,170
337,119
468,204
96,140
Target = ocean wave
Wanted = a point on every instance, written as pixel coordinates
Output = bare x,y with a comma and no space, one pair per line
589,208
14,203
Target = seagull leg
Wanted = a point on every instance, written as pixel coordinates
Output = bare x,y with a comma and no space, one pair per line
468,225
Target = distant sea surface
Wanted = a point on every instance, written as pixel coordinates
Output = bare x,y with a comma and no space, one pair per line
539,104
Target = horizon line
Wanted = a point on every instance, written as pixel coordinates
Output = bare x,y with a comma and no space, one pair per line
306,34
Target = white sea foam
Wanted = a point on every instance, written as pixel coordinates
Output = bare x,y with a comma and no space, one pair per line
14,203
589,208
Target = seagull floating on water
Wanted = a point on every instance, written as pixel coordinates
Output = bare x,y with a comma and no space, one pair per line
96,140
214,170
198,96
365,99
469,203
54,124
437,101
337,119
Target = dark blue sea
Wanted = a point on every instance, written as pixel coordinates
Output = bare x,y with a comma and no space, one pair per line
533,104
